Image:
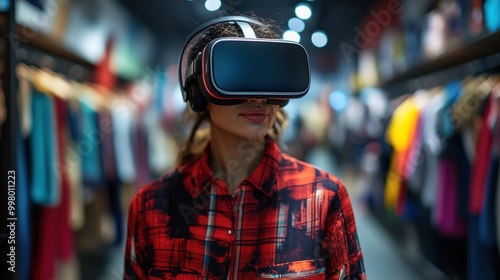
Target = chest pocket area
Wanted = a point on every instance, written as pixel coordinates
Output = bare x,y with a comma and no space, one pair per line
305,269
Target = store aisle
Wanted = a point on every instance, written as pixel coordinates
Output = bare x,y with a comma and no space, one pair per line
383,258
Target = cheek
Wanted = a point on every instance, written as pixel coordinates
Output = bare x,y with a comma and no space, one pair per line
216,112
274,112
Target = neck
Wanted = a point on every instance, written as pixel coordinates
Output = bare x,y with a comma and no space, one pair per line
233,159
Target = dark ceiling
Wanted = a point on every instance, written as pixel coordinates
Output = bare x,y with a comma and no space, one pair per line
172,20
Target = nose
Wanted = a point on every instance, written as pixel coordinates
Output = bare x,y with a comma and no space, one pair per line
257,100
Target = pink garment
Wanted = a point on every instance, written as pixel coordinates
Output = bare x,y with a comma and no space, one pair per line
447,218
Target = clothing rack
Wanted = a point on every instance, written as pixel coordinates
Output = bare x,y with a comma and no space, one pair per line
37,49
479,56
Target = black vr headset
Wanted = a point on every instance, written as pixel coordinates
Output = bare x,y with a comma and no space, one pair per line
230,70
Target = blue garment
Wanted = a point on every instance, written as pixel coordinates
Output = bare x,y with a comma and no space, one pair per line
74,120
44,184
124,126
114,195
452,92
160,78
487,229
23,208
482,260
89,147
492,15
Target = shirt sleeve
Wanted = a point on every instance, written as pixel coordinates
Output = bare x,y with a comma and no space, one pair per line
341,247
136,261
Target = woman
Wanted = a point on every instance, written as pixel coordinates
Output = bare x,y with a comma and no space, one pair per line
236,207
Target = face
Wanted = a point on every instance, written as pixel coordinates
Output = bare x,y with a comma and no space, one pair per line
249,120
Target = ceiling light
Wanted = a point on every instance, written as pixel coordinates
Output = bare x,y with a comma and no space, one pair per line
213,5
319,39
303,11
338,100
296,24
291,36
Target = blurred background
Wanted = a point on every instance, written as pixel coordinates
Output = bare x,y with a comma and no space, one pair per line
403,107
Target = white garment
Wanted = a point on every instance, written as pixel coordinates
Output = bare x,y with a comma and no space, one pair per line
124,122
432,144
162,148
24,103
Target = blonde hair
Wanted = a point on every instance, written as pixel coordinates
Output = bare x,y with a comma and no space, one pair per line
199,136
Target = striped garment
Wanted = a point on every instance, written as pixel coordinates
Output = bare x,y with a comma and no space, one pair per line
287,220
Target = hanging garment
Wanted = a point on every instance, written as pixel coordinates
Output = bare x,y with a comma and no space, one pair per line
463,178
487,215
24,100
123,121
23,207
496,94
432,146
111,177
44,187
497,211
74,165
3,109
108,152
447,218
469,104
482,260
414,171
399,135
45,243
54,238
481,162
448,120
161,147
90,149
64,232
141,154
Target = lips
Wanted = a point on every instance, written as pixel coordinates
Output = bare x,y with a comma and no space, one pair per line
255,115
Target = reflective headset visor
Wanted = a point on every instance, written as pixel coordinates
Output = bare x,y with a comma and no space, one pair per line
232,69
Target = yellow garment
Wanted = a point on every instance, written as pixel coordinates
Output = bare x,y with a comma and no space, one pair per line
402,125
400,134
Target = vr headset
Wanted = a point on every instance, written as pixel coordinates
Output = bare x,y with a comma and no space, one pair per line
231,70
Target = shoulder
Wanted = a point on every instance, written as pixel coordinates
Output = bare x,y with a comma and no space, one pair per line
161,190
296,173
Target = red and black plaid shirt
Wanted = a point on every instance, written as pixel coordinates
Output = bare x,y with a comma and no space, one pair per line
287,220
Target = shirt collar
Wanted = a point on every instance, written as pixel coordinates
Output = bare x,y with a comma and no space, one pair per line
264,178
